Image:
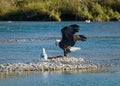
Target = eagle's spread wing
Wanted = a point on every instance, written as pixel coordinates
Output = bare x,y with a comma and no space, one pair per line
68,34
69,31
79,37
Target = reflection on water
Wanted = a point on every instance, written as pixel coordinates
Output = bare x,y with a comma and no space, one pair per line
45,74
64,79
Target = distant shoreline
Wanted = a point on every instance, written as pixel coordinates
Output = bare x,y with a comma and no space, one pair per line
54,10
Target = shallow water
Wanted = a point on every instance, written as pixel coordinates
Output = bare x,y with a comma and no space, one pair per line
23,42
62,79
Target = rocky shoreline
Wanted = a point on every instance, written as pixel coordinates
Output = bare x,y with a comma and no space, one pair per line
55,64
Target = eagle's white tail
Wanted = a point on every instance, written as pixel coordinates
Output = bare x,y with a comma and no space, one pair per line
75,48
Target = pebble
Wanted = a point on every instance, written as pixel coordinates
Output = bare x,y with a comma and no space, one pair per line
57,64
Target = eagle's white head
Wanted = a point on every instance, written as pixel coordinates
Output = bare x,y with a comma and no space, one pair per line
57,41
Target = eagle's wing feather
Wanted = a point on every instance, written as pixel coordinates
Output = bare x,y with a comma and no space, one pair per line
79,37
69,31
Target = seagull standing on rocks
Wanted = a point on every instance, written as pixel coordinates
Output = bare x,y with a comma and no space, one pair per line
69,38
44,54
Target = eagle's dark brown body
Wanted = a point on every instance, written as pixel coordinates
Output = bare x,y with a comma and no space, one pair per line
69,38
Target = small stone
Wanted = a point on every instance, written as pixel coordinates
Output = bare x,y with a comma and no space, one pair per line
55,64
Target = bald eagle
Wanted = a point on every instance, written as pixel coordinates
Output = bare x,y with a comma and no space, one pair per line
69,38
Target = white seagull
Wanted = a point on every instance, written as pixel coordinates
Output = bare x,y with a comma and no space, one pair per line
44,54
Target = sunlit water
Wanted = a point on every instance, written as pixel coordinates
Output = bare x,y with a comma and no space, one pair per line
23,42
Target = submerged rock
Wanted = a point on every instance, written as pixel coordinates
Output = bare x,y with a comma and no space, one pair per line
55,64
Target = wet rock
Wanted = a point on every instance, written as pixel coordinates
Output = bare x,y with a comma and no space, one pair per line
55,64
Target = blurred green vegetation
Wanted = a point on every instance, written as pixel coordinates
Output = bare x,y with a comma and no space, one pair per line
60,10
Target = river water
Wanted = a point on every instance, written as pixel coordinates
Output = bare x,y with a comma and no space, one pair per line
23,42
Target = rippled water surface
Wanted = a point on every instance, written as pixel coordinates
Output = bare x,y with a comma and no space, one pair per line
23,41
59,79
